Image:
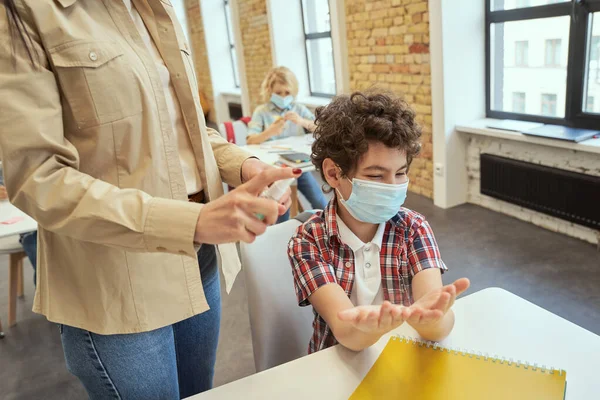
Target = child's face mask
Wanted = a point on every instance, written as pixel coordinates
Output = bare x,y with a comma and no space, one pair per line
282,102
374,202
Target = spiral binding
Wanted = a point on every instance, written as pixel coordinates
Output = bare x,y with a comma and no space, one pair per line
479,355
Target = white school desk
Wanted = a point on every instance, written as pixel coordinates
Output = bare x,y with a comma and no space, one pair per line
492,321
270,151
8,211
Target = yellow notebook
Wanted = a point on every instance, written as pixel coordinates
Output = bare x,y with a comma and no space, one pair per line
417,370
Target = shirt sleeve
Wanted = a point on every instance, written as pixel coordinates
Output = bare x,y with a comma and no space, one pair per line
229,157
423,252
309,269
256,124
41,165
306,113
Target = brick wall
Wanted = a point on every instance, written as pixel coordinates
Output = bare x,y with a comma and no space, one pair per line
388,46
256,41
198,44
576,161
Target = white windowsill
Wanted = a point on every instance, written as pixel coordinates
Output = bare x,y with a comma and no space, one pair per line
313,102
479,127
234,92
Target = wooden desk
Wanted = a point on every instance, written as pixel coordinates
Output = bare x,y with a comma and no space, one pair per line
492,321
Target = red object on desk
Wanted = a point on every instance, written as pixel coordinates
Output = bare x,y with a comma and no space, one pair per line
12,220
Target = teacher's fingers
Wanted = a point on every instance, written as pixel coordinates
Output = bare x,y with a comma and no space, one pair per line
266,177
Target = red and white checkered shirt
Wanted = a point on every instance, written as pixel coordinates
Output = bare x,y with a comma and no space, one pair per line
319,257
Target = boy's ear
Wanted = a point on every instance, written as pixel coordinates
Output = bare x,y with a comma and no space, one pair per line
331,173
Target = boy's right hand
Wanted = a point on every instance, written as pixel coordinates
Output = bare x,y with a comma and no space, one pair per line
3,194
376,319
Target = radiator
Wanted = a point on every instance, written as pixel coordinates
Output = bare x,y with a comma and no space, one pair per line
563,194
235,111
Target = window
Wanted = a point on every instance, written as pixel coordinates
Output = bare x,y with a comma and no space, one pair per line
179,8
595,49
518,99
549,105
319,47
234,66
552,52
521,53
589,104
559,43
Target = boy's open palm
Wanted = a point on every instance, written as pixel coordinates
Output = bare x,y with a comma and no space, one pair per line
378,319
431,307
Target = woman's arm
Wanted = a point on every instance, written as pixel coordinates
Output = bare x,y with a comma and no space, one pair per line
41,165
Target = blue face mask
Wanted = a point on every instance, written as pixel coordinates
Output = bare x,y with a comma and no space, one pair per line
374,202
282,102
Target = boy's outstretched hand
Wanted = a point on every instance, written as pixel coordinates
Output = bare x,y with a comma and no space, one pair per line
376,319
429,309
432,307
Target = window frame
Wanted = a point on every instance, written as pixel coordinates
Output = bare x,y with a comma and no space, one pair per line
315,36
580,34
234,68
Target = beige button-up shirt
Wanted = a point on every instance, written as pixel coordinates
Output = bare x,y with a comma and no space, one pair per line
89,152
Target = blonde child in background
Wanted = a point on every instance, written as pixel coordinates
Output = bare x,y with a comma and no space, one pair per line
281,116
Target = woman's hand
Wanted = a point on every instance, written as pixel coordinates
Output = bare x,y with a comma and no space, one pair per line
252,167
232,218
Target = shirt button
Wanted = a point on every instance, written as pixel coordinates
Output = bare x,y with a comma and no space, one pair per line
368,265
368,248
93,56
160,248
348,264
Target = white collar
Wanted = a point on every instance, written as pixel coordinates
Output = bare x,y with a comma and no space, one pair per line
349,238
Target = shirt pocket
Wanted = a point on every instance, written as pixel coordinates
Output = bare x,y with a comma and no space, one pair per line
97,83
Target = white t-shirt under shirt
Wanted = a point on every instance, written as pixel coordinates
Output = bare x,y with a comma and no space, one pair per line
187,159
367,288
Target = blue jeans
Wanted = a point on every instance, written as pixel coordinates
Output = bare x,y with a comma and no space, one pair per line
29,242
308,186
173,362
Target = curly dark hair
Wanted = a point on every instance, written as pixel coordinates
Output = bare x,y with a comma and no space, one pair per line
346,125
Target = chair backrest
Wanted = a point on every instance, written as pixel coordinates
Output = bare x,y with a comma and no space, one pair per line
235,132
280,328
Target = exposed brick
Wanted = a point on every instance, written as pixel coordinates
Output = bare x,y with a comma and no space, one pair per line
419,48
198,44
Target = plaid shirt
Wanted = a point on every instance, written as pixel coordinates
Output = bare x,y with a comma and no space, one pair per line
319,257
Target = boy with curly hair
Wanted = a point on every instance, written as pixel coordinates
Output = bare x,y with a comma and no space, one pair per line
365,263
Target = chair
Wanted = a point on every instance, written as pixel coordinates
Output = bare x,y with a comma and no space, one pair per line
235,132
280,328
11,246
